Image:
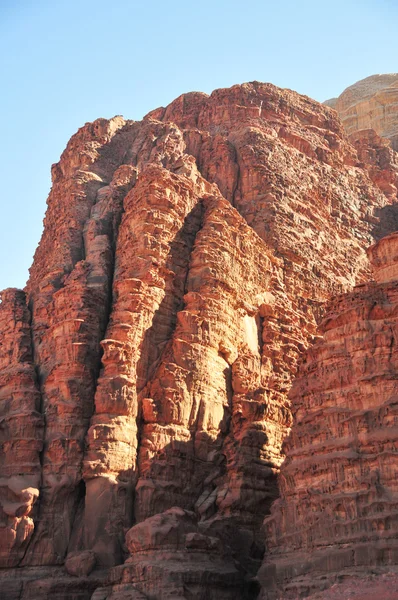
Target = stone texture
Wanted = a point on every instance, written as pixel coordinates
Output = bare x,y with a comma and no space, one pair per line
384,259
338,509
182,271
48,583
371,103
21,426
80,564
171,558
381,162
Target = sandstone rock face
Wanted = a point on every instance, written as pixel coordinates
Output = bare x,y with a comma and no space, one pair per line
381,162
21,430
371,103
183,269
338,509
171,558
384,259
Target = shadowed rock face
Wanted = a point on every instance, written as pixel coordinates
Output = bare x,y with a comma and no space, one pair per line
21,429
183,268
338,509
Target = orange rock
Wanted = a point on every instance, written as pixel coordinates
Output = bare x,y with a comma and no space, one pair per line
338,510
170,558
183,268
21,430
371,103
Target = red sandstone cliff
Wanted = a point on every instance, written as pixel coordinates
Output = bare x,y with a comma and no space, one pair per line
182,271
338,511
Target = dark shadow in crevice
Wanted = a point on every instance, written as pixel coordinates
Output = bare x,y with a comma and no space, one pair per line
388,221
178,459
165,317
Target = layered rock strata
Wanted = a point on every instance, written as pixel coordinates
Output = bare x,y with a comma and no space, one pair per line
182,271
371,103
21,430
338,510
381,162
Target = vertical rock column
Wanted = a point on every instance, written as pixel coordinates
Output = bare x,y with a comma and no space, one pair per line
188,406
21,429
69,295
155,212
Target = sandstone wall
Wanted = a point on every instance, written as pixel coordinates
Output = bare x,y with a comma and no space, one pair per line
338,510
183,268
371,103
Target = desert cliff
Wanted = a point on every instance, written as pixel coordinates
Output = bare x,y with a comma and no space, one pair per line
184,268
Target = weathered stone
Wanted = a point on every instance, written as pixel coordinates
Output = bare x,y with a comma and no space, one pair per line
21,430
182,272
338,509
170,558
80,564
371,103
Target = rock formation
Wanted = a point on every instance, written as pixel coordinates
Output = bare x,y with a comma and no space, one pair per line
371,103
21,429
182,272
381,162
338,510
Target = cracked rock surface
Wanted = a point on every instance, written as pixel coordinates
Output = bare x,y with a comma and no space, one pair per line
338,511
145,370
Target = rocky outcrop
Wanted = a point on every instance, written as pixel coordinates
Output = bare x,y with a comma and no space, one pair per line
183,269
171,558
21,426
371,103
338,511
381,162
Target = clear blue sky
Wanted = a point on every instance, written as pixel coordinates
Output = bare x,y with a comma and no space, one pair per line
65,62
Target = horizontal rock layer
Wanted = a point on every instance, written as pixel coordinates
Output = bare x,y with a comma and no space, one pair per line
182,271
339,496
371,103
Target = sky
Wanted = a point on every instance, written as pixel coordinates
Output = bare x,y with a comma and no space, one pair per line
66,62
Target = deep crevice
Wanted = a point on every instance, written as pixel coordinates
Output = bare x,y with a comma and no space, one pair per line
237,179
193,224
38,384
260,328
165,317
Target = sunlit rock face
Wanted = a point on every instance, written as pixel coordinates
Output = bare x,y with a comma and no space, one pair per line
371,103
338,510
182,272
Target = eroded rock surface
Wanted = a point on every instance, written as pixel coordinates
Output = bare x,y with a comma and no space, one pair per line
338,511
21,430
172,558
371,103
183,269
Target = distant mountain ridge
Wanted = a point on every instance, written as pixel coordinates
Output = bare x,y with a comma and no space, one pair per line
371,103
